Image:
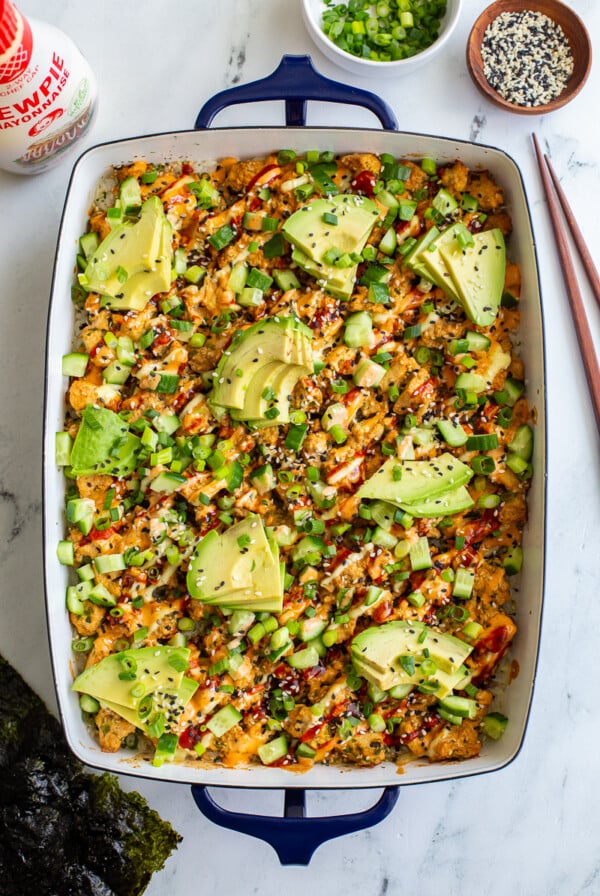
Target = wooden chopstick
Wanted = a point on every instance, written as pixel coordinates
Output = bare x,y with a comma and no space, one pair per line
584,252
582,329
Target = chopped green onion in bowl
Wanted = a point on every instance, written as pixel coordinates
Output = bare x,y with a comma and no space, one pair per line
387,36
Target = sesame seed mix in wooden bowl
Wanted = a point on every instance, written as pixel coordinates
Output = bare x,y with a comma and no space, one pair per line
529,57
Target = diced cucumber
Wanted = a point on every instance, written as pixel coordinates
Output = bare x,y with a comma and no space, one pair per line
522,443
273,750
130,195
463,583
388,199
252,221
444,203
383,514
88,704
415,598
195,274
452,433
88,243
375,693
312,628
65,552
449,716
85,572
107,563
74,364
384,539
513,560
167,482
126,351
240,621
75,600
517,464
166,747
263,479
359,329
368,374
251,296
81,511
238,277
472,630
477,342
421,435
465,707
167,423
388,242
223,720
373,594
419,554
180,260
63,444
280,638
309,549
304,659
323,495
494,725
116,373
471,382
304,751
286,279
101,596
510,393
335,415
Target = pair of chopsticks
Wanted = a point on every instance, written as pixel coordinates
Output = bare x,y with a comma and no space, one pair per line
552,189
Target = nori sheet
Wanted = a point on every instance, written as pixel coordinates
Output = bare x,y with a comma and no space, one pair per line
64,831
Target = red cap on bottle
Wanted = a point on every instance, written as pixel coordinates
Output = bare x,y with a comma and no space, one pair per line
15,42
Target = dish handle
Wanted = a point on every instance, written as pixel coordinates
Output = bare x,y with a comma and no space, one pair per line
295,80
294,837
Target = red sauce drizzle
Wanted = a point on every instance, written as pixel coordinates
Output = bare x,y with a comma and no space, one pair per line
364,182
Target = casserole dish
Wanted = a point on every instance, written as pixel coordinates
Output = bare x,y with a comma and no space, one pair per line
211,145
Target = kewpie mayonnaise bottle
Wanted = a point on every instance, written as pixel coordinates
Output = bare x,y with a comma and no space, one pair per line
47,93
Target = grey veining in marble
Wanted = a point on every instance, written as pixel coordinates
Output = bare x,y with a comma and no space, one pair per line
531,829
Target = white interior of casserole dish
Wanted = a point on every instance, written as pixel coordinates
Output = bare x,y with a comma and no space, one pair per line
246,143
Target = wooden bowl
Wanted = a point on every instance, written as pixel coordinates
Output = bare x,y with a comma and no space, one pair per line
574,30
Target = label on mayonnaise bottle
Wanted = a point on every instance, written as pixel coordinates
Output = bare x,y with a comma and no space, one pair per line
47,93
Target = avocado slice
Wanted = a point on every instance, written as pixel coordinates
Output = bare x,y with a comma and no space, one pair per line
101,433
412,259
379,646
478,273
308,230
313,236
268,389
157,668
237,569
134,261
377,650
338,281
256,376
430,260
456,501
414,481
274,339
206,578
444,682
224,563
170,702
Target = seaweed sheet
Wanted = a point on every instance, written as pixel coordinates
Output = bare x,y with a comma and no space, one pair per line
64,831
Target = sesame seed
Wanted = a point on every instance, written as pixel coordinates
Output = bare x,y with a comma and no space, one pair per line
526,57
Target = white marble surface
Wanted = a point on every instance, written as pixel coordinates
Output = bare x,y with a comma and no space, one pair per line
528,830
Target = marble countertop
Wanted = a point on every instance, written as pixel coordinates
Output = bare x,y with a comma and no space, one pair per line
530,829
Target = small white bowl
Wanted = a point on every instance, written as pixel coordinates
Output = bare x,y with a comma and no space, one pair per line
312,11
